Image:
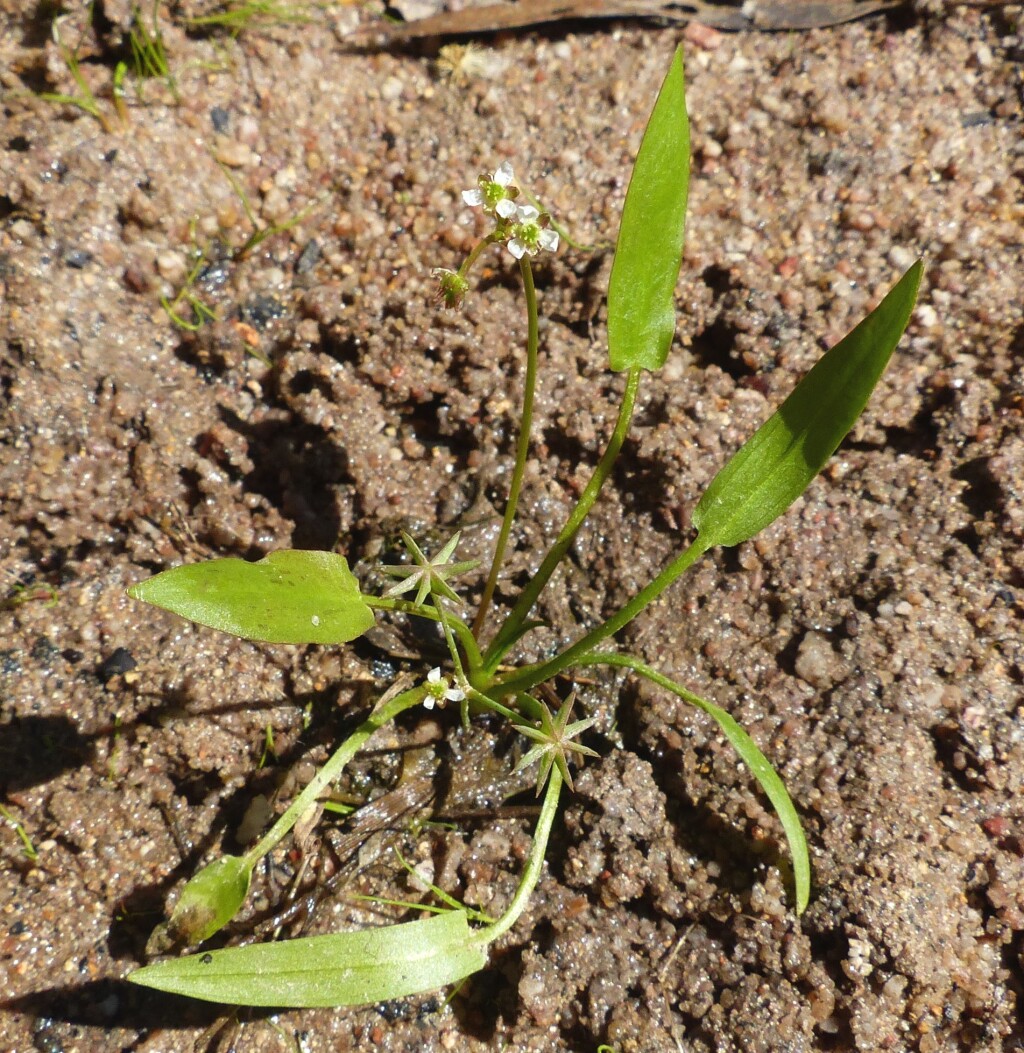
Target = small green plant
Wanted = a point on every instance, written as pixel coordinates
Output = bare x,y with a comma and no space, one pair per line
312,597
85,100
21,594
148,59
187,296
149,53
243,15
260,231
28,849
199,259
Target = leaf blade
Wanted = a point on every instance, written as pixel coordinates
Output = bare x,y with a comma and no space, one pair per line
774,788
347,968
210,899
288,596
776,464
648,253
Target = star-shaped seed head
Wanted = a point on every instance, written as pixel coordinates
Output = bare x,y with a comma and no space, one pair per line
554,742
429,577
451,287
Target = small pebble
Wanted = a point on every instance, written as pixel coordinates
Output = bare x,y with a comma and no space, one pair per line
391,89
702,36
120,661
234,154
77,258
308,257
171,267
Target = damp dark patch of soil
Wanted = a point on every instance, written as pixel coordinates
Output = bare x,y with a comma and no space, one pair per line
869,641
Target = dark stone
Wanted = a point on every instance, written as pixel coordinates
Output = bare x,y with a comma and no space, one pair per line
119,662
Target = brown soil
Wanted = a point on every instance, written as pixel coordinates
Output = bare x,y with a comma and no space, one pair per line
870,640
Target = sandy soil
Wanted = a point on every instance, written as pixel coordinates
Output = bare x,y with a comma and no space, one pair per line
870,640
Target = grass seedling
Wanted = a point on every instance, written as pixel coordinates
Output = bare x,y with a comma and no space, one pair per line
186,296
21,594
199,257
313,598
28,849
149,54
85,100
260,232
238,17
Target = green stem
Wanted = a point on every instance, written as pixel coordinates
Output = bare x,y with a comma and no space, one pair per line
531,873
332,769
513,623
522,448
456,624
474,255
529,677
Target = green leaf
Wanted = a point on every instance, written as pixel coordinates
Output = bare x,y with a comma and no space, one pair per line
287,597
775,465
210,900
774,789
756,761
348,968
641,290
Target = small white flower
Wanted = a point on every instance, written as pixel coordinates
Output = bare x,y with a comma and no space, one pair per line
494,194
439,690
530,233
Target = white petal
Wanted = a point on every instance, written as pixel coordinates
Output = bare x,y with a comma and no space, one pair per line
473,197
517,248
527,214
428,702
506,208
548,240
455,694
434,676
503,174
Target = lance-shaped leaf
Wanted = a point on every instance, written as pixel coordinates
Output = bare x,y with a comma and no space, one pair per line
348,968
774,466
641,290
287,597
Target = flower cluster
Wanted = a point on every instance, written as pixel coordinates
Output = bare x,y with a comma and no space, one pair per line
523,227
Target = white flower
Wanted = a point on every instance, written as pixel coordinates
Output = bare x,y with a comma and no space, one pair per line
439,691
494,194
530,233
